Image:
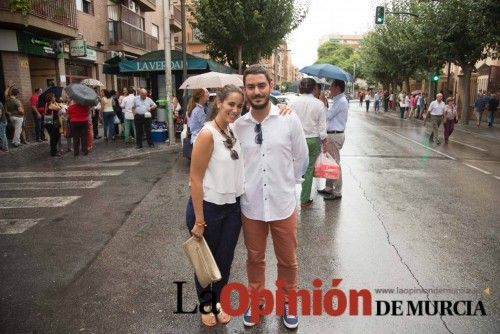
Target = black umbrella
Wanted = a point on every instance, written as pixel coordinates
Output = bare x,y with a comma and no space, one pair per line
57,91
82,94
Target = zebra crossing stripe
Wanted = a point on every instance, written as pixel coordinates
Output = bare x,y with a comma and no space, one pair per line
75,173
108,164
37,202
16,226
51,185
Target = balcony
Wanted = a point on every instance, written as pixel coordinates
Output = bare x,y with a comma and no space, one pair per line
175,19
57,16
147,5
122,33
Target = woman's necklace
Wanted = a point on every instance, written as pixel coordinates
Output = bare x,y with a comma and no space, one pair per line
223,132
230,137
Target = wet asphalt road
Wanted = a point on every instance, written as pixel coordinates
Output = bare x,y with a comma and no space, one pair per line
412,216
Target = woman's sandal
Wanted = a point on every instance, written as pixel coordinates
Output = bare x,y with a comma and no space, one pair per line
222,317
208,319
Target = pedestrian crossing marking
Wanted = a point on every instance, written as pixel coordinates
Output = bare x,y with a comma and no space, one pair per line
16,226
36,202
91,173
108,164
51,185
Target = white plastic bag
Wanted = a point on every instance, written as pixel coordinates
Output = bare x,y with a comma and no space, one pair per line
326,167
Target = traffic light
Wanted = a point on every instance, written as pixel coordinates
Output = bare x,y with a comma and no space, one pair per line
435,77
379,15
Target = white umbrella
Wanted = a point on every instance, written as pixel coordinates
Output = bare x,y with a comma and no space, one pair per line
211,80
92,83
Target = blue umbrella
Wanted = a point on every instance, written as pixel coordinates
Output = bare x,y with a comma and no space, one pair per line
327,71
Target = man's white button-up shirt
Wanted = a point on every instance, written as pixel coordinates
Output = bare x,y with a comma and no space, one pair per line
272,168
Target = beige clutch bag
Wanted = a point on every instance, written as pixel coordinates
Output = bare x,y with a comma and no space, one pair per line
202,260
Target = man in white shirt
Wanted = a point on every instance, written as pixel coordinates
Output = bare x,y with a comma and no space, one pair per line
336,120
436,111
312,115
143,105
275,157
127,104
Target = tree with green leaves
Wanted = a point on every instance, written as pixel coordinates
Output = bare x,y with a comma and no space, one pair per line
458,31
339,54
241,32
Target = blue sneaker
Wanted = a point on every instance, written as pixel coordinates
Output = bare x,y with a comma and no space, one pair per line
290,321
247,318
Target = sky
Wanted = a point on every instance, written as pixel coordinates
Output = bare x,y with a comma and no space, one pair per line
327,17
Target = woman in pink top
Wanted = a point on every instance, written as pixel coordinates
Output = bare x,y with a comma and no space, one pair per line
413,104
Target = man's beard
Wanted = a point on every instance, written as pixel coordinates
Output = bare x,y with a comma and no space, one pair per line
259,106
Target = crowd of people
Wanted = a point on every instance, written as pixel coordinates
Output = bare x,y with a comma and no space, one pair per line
61,122
436,112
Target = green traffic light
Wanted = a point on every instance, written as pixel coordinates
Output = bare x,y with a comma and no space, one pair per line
435,78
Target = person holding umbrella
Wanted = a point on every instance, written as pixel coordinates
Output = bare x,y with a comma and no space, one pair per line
82,98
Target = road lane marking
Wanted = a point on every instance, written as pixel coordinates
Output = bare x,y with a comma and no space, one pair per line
108,164
76,173
416,142
478,169
497,177
51,185
471,146
16,226
36,202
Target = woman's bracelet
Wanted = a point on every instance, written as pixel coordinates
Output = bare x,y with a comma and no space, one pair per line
201,224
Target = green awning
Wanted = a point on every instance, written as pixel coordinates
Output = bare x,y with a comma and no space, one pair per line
155,62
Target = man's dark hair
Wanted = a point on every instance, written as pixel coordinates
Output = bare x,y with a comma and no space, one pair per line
14,91
131,90
256,69
340,84
307,85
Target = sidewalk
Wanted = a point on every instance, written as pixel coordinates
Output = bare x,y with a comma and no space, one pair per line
37,154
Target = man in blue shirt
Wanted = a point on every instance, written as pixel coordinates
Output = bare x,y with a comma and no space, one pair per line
479,106
336,119
142,108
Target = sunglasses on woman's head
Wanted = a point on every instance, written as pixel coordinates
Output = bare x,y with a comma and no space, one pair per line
258,130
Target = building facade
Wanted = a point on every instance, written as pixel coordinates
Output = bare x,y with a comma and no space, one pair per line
65,41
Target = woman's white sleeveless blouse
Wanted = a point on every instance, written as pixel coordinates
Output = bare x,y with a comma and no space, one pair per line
224,177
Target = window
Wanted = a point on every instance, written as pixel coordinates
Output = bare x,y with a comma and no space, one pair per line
85,6
155,31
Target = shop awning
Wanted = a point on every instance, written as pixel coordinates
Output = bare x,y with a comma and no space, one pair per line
111,66
155,62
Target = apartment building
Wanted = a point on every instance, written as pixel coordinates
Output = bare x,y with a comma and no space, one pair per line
352,40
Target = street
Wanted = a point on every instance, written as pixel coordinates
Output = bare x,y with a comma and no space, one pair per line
95,245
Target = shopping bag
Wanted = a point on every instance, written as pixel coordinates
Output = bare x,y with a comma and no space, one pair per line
116,120
326,167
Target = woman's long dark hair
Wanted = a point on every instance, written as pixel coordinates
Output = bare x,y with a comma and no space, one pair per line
221,96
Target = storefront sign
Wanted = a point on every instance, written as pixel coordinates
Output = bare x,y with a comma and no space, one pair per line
35,45
91,55
159,65
77,48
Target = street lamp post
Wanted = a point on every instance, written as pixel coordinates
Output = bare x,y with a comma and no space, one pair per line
168,69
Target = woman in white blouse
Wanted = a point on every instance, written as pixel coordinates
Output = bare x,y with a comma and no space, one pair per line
216,179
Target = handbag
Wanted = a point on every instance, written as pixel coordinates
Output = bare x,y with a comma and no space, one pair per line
202,260
116,120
